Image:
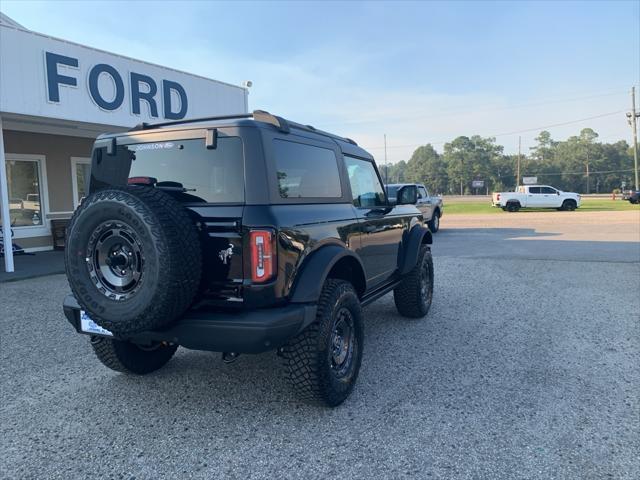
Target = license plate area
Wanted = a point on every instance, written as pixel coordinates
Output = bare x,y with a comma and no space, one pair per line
87,325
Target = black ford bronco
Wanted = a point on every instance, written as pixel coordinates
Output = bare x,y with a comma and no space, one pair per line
241,234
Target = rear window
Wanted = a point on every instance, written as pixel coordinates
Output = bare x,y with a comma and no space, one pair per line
306,171
213,176
392,191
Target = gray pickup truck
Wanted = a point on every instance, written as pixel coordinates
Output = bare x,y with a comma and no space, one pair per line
432,208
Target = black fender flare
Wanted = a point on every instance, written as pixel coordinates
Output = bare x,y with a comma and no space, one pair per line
411,247
316,268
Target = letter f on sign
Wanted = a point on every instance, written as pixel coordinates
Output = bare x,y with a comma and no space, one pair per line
54,79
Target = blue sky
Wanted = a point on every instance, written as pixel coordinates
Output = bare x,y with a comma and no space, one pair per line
418,71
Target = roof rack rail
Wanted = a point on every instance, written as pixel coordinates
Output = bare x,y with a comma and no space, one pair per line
259,115
278,122
149,126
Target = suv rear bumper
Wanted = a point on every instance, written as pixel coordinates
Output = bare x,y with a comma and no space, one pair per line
243,332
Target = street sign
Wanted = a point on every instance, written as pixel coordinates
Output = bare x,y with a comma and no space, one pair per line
529,180
477,183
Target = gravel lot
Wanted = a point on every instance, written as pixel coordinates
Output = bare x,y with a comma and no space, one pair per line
527,366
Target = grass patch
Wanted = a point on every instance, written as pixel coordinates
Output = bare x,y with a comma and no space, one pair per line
453,207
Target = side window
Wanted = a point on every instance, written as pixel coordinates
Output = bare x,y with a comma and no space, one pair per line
422,193
534,190
365,185
306,171
548,190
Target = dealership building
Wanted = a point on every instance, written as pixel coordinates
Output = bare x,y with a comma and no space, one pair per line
56,96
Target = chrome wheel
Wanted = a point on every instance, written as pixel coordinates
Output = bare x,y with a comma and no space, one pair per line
115,260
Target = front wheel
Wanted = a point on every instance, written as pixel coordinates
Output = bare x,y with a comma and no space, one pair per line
569,205
127,357
323,361
414,294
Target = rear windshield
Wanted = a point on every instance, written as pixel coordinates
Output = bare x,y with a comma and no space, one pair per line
213,176
392,191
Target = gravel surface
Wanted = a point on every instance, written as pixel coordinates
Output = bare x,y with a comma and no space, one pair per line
524,368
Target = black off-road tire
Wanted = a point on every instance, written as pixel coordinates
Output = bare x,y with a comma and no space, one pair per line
569,205
513,207
168,258
308,358
413,296
127,357
434,223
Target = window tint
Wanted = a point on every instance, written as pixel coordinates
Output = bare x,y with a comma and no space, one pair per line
305,171
392,191
365,184
548,190
534,189
214,176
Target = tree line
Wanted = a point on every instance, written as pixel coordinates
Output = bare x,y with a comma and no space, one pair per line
563,164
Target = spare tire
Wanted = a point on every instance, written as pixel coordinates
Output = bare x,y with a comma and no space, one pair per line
133,258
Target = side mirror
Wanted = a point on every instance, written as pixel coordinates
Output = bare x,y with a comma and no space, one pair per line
407,195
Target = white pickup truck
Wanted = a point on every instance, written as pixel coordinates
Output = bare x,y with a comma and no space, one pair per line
536,196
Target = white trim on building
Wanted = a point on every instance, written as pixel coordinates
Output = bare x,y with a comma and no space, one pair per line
43,229
75,161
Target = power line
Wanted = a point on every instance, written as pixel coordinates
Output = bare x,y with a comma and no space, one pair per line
566,173
515,132
478,109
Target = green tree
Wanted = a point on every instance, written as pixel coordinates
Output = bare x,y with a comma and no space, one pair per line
427,166
397,172
544,147
471,159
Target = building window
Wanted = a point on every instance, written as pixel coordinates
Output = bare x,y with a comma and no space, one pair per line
24,180
80,175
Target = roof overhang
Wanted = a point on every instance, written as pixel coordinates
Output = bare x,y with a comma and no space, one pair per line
54,126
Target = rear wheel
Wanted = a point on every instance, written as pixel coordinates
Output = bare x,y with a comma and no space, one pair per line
127,357
513,207
569,205
414,294
323,361
434,223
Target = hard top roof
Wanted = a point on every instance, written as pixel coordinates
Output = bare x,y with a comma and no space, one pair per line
258,118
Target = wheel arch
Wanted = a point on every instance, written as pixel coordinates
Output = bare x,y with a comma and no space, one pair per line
410,247
331,261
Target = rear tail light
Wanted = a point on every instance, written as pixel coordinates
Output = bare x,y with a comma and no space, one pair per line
262,255
142,181
498,197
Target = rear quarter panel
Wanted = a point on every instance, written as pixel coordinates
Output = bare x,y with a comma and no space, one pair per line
303,229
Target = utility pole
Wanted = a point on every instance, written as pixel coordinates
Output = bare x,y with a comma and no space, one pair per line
386,165
518,169
632,117
588,171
